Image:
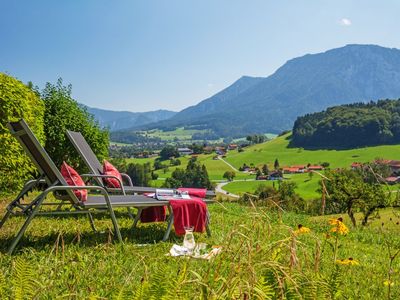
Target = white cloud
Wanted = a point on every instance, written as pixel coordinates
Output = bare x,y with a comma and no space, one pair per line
345,22
210,85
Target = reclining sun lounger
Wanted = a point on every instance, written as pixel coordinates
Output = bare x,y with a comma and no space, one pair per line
96,168
54,182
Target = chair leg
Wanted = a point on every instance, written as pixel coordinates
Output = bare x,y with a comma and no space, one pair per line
4,219
25,226
169,226
92,222
113,218
130,213
207,224
137,217
208,230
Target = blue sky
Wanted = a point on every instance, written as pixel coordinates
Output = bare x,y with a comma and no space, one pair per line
148,55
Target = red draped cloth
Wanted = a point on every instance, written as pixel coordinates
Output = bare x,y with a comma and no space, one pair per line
189,213
195,192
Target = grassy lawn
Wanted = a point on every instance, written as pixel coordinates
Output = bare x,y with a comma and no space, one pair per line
305,187
60,257
278,148
179,133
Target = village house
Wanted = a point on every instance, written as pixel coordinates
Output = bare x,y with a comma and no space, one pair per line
301,168
232,146
291,170
392,180
315,168
185,151
356,165
220,150
394,165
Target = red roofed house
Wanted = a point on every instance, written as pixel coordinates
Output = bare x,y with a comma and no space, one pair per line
392,180
290,170
315,168
356,165
300,167
232,146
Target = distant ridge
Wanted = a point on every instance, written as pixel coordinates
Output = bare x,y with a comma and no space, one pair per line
311,83
118,120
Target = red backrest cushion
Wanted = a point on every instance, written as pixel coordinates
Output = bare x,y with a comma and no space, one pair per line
72,178
109,169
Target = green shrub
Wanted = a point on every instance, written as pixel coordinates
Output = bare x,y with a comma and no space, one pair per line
17,101
64,113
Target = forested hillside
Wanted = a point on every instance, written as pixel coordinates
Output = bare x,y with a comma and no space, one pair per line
352,125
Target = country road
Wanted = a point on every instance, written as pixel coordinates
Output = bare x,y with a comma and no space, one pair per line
219,187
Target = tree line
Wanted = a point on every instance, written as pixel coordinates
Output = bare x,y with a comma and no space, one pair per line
352,125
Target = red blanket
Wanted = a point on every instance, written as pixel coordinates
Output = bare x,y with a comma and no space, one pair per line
189,213
153,214
194,192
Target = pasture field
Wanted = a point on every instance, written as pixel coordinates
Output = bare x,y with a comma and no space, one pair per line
306,188
278,149
262,258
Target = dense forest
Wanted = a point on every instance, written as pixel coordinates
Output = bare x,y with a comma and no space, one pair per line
353,125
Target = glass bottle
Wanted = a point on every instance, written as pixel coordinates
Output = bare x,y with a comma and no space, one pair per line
188,241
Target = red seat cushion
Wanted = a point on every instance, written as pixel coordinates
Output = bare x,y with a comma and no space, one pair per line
74,179
109,169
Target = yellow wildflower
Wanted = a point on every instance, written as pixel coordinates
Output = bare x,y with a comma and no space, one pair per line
388,282
339,226
301,230
348,262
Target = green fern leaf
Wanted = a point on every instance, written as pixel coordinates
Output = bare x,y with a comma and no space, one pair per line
23,280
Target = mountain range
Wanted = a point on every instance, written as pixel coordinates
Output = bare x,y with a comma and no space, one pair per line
119,120
307,84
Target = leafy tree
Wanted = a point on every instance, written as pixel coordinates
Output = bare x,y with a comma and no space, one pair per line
276,164
158,165
351,191
175,162
140,173
195,175
229,175
197,148
169,151
265,169
17,101
63,113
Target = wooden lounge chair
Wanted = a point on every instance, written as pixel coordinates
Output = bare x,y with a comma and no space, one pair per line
96,168
53,182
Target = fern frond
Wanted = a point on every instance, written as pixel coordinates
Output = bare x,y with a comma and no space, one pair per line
23,281
262,290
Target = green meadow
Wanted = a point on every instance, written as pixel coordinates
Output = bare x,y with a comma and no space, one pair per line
267,152
215,168
306,187
262,258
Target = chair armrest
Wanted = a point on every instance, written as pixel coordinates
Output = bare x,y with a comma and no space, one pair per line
128,178
105,176
102,190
